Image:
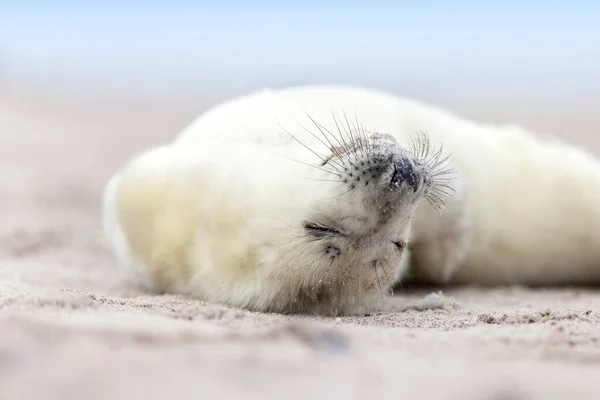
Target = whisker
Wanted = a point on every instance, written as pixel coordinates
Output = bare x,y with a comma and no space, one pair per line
445,185
312,133
441,196
359,133
377,275
311,165
433,204
444,172
342,144
345,146
311,150
323,129
361,129
332,149
351,187
439,165
350,129
436,197
386,275
347,131
439,191
320,180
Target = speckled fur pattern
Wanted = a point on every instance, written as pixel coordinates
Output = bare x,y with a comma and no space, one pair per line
281,201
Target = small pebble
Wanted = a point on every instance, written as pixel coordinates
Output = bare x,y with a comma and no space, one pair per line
432,301
338,320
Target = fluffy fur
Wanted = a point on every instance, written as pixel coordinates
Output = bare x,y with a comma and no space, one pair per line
259,203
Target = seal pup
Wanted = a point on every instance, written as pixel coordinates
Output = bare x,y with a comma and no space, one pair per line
318,199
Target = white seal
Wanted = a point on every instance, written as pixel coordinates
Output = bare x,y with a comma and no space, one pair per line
318,199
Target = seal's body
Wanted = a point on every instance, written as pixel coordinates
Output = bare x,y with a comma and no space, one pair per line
317,199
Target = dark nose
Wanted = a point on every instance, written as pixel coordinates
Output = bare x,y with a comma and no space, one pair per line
404,171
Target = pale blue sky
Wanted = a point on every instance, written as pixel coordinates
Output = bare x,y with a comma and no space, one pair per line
239,45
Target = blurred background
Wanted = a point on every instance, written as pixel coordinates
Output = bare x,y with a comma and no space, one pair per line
83,85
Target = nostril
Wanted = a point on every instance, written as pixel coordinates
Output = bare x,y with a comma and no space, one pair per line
404,171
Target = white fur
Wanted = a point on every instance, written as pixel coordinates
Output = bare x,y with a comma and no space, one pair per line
522,212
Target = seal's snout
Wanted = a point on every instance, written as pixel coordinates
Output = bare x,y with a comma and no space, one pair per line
404,171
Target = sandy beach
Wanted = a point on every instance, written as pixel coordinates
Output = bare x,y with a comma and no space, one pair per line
74,326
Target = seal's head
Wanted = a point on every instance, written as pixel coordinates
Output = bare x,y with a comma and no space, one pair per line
293,225
355,234
328,220
356,229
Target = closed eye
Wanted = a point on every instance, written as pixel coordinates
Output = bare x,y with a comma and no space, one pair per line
320,230
400,245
